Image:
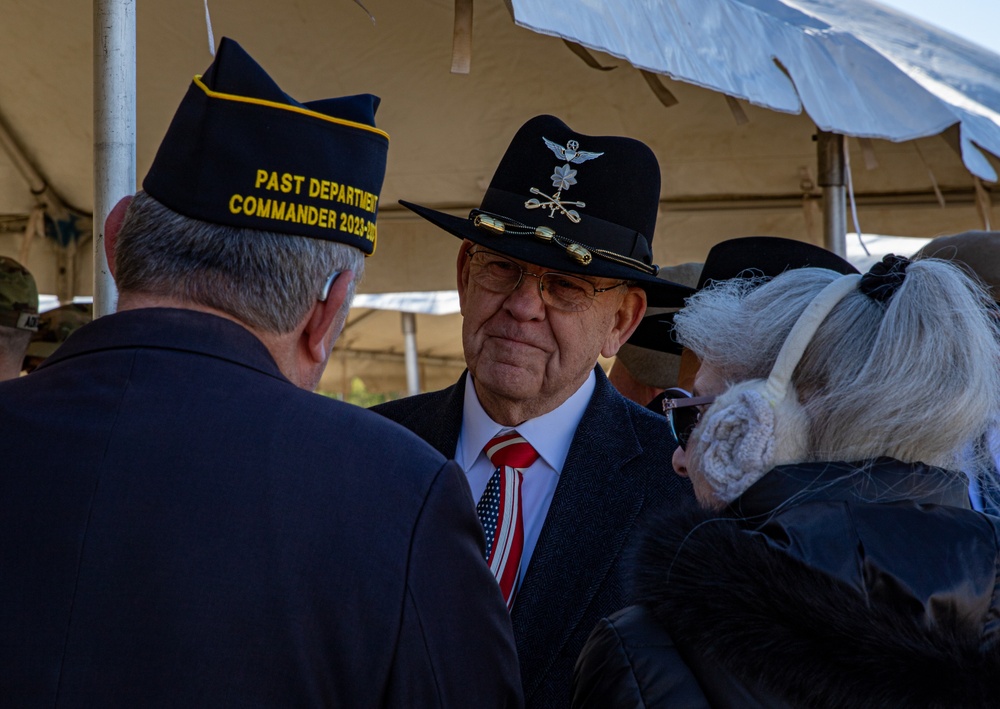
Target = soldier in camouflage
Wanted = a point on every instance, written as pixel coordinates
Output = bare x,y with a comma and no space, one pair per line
54,326
18,315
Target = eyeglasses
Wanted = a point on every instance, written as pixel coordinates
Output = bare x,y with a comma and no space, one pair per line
498,274
683,413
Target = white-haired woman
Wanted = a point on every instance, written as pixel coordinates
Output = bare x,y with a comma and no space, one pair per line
836,562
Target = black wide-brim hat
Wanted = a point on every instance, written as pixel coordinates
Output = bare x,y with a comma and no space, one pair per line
241,152
571,202
762,257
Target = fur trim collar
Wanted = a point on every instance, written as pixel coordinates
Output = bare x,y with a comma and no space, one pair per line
793,633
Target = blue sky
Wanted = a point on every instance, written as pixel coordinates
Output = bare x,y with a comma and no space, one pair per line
975,20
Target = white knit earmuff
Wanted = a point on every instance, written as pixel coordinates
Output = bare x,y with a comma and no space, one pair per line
758,424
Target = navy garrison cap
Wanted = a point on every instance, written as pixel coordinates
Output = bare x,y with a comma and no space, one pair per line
241,152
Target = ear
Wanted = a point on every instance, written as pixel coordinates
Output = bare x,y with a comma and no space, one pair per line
463,272
324,316
112,225
690,364
627,319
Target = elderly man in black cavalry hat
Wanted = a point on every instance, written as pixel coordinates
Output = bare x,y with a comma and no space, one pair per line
182,523
554,269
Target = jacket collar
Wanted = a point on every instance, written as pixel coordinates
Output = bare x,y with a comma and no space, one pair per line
880,480
170,328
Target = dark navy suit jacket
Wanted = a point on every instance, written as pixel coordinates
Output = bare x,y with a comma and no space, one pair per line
618,469
182,526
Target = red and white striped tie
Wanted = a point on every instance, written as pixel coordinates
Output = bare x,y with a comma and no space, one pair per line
500,509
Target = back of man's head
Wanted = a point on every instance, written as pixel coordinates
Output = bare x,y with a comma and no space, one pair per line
266,280
18,315
254,200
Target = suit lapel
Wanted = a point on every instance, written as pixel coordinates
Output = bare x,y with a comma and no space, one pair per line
437,417
584,532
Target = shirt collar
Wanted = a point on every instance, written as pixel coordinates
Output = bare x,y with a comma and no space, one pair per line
550,434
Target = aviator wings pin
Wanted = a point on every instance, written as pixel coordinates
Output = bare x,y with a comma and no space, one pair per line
562,179
571,153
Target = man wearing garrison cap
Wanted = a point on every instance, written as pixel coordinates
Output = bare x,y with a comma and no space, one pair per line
18,315
182,522
554,269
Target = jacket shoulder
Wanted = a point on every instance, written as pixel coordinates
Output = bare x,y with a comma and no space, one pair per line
413,407
436,416
357,438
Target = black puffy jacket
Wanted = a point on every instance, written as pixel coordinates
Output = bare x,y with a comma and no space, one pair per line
824,585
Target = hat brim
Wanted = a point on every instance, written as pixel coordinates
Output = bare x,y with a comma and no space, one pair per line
763,257
660,293
656,332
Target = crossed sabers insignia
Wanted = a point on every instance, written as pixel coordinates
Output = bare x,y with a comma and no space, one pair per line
553,204
563,178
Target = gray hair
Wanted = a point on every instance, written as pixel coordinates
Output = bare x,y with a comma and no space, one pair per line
916,378
263,279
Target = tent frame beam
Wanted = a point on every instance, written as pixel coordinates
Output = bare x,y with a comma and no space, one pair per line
114,129
831,170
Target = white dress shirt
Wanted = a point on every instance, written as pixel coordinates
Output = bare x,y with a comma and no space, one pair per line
550,435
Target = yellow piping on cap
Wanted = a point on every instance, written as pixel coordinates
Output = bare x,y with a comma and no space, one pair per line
285,107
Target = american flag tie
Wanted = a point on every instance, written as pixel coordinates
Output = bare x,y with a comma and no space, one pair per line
500,509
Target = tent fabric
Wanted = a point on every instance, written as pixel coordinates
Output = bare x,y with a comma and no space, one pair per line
853,66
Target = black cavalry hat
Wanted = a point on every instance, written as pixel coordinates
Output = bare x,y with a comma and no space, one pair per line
571,202
241,152
745,257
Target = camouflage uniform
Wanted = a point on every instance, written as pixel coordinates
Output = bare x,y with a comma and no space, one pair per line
18,296
56,325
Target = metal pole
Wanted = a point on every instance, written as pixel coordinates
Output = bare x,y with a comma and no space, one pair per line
830,156
114,129
410,341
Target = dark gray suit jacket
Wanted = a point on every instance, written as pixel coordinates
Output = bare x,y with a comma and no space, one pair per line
181,526
618,469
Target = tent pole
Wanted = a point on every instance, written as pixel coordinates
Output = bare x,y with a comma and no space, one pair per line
114,129
830,159
410,341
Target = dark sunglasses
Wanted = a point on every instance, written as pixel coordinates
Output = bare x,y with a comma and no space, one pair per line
683,414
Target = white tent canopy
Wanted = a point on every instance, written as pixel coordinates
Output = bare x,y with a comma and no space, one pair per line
855,67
